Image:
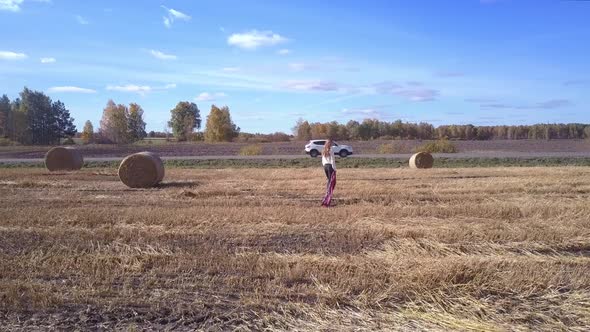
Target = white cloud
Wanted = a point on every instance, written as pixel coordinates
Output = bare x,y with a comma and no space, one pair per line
7,55
231,69
15,5
172,15
179,15
140,89
375,111
418,94
283,51
449,74
73,89
311,85
162,56
413,91
575,82
297,66
414,83
82,20
167,22
48,60
364,111
10,5
206,96
321,66
549,104
481,100
254,39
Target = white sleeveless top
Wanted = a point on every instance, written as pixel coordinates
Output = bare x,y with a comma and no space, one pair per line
330,159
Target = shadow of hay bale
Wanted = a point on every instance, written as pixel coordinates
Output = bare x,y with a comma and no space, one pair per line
178,184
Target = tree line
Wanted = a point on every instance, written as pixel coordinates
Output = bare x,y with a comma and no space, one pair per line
370,129
121,124
34,118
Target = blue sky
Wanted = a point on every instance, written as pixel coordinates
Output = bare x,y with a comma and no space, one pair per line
483,62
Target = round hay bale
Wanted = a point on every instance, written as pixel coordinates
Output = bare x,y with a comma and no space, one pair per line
421,160
141,170
63,159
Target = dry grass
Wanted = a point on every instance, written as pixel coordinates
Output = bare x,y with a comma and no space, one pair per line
394,147
461,249
251,150
438,146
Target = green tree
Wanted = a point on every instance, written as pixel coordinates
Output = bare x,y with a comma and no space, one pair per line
369,129
425,130
88,132
343,132
65,123
4,116
45,121
184,119
135,122
19,130
333,130
114,124
220,127
469,132
35,119
397,129
40,126
353,129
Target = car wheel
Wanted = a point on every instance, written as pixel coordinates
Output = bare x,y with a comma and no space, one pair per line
343,153
314,153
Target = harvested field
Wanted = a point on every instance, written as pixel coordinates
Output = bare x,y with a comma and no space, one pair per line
217,249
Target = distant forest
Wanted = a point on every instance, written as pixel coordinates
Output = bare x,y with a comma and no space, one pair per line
374,129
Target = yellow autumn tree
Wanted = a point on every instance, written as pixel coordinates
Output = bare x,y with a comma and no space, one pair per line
219,127
87,135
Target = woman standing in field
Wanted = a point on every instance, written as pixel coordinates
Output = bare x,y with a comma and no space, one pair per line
329,163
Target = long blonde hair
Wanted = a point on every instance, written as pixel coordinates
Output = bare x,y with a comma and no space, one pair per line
327,148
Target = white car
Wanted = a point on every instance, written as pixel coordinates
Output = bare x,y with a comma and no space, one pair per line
315,146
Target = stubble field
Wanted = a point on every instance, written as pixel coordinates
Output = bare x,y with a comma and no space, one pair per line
251,249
